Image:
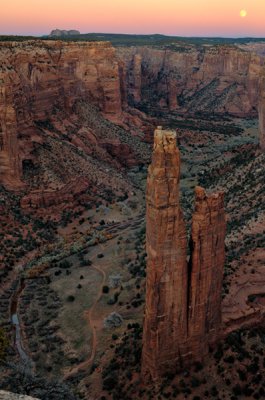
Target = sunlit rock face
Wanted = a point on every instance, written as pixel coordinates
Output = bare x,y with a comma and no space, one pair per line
165,323
39,77
183,300
206,271
218,79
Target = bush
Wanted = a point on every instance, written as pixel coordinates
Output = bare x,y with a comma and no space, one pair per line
71,298
230,359
105,289
65,264
110,382
237,390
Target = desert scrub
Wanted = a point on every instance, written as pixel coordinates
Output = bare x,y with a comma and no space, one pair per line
4,342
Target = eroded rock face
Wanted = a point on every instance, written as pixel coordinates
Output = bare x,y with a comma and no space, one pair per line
262,113
47,198
165,322
183,302
39,77
14,396
206,271
221,79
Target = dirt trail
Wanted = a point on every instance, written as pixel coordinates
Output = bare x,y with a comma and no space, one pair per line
92,322
89,313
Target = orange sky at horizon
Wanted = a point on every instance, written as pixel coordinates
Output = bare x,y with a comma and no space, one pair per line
171,17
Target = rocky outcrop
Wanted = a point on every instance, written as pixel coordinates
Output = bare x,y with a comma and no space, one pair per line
47,198
58,33
206,271
14,396
39,77
218,79
165,322
183,301
262,113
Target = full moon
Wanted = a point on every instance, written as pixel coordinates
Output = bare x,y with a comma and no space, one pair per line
243,13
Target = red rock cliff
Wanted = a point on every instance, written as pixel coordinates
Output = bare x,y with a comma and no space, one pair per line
38,77
262,113
183,304
165,323
215,79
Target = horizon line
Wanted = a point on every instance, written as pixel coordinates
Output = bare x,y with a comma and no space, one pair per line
137,34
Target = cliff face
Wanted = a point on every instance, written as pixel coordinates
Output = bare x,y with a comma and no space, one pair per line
39,77
206,271
47,198
183,303
165,323
216,79
262,113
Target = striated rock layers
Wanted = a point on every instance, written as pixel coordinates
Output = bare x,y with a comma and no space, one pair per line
39,77
183,300
217,79
262,113
206,271
47,198
42,80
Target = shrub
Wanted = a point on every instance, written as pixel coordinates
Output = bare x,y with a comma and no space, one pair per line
105,289
110,382
237,390
65,264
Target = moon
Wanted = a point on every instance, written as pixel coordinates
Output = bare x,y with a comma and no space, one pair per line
243,13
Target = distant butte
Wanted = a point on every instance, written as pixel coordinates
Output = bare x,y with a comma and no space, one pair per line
58,33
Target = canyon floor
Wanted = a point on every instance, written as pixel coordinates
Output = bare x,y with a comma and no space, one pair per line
79,297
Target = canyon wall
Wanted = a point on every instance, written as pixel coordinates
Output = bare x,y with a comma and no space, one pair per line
183,300
262,113
46,198
39,77
220,79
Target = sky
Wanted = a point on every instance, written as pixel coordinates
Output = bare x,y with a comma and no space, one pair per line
170,17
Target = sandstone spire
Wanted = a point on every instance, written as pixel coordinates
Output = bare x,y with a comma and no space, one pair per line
165,324
206,271
183,302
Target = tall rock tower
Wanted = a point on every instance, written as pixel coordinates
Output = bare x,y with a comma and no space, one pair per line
183,300
165,323
206,272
